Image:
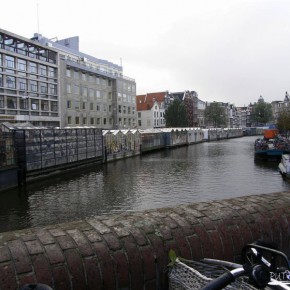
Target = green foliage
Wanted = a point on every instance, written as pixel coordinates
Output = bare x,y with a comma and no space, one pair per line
283,121
175,115
172,257
262,112
215,115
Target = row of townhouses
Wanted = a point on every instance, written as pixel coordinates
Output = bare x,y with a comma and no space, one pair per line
50,83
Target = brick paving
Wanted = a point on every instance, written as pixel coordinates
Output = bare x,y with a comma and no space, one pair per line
130,250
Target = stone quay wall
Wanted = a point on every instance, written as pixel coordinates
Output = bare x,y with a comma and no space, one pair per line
130,251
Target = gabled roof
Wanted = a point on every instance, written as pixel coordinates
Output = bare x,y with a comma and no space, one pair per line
146,102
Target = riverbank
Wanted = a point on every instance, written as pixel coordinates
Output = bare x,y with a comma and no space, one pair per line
41,152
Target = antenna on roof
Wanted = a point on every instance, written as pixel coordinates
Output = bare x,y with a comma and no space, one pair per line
37,6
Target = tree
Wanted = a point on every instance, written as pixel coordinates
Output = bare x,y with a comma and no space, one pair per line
214,114
175,115
261,112
283,121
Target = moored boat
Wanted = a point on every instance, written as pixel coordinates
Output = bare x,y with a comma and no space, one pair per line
284,165
271,147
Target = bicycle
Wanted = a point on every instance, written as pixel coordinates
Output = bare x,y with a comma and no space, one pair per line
263,267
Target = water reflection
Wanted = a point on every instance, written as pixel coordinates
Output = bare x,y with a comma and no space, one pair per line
199,172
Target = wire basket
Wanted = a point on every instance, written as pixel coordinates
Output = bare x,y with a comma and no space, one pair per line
190,275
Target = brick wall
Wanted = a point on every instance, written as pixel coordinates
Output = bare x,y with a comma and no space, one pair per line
130,251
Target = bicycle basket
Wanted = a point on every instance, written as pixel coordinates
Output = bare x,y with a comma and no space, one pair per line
192,275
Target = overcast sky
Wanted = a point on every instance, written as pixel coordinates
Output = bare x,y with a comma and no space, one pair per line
226,50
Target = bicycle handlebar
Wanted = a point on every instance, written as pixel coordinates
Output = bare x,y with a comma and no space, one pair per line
224,280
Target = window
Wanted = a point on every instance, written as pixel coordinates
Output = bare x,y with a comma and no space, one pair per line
92,121
69,104
84,105
10,82
98,121
97,80
34,104
1,80
91,78
23,103
10,61
77,104
22,84
43,88
44,105
68,88
52,72
105,121
11,103
43,70
77,119
105,108
1,101
91,106
85,92
69,119
76,75
32,67
98,107
33,86
84,120
54,106
120,109
84,77
98,94
119,97
124,109
21,64
91,93
68,74
52,89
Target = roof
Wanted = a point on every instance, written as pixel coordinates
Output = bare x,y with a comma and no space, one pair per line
146,102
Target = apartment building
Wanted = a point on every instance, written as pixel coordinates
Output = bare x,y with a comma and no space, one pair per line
279,106
151,110
29,90
93,91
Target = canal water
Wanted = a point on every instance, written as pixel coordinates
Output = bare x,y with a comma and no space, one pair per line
200,172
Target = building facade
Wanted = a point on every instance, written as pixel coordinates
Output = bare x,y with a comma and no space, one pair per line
279,106
93,92
151,110
29,82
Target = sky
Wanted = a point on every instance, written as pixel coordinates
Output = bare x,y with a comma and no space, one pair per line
226,50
